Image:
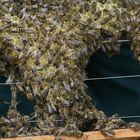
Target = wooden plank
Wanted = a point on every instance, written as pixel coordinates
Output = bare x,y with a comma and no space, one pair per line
121,134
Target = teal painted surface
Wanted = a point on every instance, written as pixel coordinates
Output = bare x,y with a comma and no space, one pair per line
25,106
5,96
120,96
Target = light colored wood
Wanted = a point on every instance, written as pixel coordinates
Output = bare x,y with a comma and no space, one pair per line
121,134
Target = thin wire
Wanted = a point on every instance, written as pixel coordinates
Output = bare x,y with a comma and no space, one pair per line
18,83
89,79
122,117
33,121
4,102
112,77
120,41
129,117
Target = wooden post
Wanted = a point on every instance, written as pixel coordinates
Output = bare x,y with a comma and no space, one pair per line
121,134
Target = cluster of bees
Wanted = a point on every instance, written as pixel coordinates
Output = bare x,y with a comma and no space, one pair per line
45,45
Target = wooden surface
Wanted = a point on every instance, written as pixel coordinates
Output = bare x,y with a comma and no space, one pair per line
121,134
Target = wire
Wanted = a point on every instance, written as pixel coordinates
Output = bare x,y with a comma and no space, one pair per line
129,117
120,41
122,117
34,121
88,79
112,77
18,83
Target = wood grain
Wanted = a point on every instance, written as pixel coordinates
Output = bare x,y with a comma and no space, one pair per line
121,134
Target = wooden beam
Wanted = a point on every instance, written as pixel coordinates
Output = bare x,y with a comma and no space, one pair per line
121,134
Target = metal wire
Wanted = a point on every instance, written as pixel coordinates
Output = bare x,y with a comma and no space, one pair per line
120,41
112,77
18,83
121,117
88,79
34,121
129,117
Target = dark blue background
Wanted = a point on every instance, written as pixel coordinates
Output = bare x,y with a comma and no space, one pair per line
120,96
25,106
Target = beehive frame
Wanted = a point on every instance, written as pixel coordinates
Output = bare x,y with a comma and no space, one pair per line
121,134
46,47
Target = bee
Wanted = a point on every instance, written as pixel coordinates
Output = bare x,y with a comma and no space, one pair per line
97,15
20,88
69,130
4,120
21,130
66,102
34,6
45,92
67,87
53,42
35,91
86,6
23,14
49,109
9,80
35,132
128,28
71,83
103,48
21,55
93,7
6,41
2,28
38,79
135,126
37,54
11,134
4,9
25,120
105,20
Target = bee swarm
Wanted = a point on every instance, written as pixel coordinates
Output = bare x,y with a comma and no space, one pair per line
46,45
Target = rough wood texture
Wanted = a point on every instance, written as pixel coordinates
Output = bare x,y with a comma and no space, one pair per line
121,134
